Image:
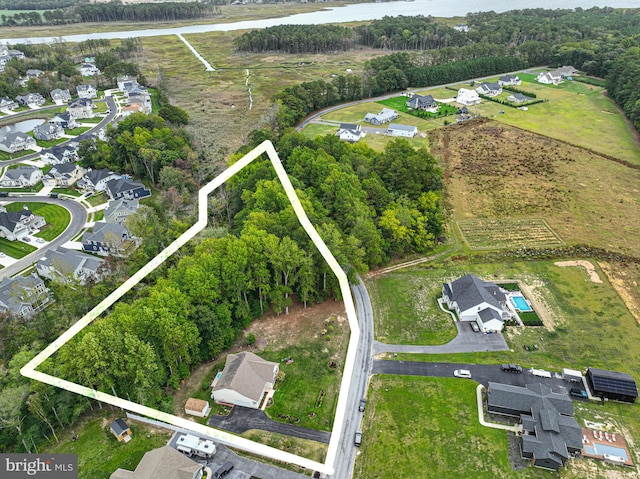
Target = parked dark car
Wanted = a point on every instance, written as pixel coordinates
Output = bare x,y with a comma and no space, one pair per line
358,439
223,470
362,405
53,195
511,368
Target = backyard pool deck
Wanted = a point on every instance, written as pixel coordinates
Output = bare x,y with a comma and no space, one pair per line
611,446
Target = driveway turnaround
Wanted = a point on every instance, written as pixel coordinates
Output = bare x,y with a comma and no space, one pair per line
467,341
241,419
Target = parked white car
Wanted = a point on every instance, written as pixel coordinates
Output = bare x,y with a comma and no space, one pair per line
462,373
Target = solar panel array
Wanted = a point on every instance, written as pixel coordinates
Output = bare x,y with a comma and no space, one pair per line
613,382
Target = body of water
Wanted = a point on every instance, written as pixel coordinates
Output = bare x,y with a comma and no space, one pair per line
351,13
23,126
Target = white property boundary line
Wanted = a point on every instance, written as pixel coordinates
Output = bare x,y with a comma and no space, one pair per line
29,370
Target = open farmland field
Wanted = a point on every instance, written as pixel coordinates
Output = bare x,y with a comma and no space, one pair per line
507,233
495,171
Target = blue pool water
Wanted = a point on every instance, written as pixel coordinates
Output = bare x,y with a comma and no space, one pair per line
520,303
601,449
590,450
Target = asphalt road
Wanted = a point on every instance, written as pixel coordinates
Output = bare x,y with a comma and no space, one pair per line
111,104
241,419
78,220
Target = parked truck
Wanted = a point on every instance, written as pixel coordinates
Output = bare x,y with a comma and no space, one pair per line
540,373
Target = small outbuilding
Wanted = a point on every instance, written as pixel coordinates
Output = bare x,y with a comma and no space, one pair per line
408,131
197,407
612,385
120,430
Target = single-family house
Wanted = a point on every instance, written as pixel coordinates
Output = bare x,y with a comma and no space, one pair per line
23,295
21,177
385,116
518,98
59,154
48,131
350,132
419,102
88,69
120,430
65,120
63,175
34,73
132,88
32,100
7,103
408,131
163,463
474,299
60,96
117,211
197,407
144,100
550,432
17,141
108,239
549,78
489,89
468,97
15,225
96,180
123,188
131,108
66,265
566,71
246,380
16,54
81,108
86,91
509,80
123,80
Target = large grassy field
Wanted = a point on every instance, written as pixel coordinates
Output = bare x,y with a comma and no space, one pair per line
57,217
99,452
588,323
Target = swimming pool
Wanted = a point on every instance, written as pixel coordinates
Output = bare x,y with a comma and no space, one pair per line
520,303
602,449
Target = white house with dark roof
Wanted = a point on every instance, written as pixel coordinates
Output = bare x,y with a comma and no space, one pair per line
48,131
407,131
59,154
88,69
419,102
489,89
96,180
7,103
117,211
23,295
63,175
245,380
550,432
17,141
518,98
108,239
163,463
15,225
123,80
549,78
81,108
350,132
86,91
21,177
467,97
32,100
123,188
474,299
509,80
60,96
65,119
385,116
66,265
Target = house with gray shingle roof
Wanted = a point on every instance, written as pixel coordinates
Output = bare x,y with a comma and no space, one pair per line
350,132
60,96
15,225
518,98
81,108
48,131
489,89
32,100
21,177
96,180
123,188
476,300
17,141
509,80
407,131
59,154
66,265
23,295
117,211
419,102
245,380
7,103
163,463
34,73
550,433
65,120
108,239
86,91
63,174
385,116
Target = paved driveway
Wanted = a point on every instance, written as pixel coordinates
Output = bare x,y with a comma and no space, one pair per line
467,341
241,419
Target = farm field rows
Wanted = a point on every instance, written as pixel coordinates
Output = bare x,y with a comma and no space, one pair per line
484,234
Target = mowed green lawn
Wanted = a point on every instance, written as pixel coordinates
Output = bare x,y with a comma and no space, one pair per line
15,249
418,427
592,326
57,217
100,453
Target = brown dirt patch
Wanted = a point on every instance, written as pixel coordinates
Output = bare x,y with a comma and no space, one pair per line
625,279
591,271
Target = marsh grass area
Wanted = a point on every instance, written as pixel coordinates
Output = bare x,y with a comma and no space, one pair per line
99,452
57,217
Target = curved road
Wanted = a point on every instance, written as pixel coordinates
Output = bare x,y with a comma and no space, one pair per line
78,220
